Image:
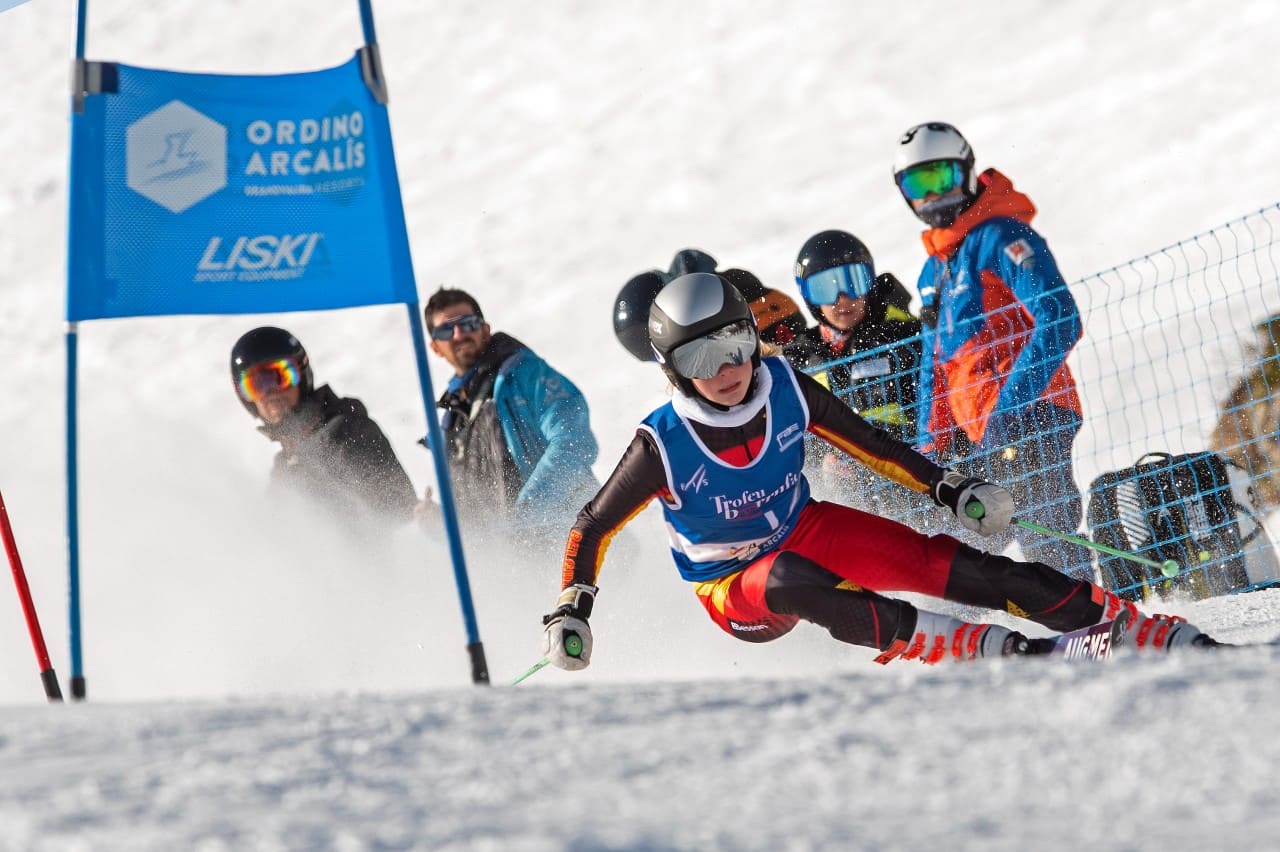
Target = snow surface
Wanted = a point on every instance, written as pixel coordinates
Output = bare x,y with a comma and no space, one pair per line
257,682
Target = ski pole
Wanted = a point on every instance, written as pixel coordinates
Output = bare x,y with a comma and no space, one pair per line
47,675
1168,568
573,646
534,669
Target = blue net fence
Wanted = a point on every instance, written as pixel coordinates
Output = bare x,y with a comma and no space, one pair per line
1178,457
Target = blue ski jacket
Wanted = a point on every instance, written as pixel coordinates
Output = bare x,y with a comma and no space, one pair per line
1006,323
547,428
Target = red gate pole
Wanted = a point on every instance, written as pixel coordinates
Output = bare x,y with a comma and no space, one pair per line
47,676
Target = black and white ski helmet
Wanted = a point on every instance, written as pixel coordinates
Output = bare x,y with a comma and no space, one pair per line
928,143
690,307
828,250
631,313
265,344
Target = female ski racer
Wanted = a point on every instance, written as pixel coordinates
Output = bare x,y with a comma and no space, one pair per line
725,455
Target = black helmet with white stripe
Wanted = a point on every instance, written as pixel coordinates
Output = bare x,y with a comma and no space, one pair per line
698,323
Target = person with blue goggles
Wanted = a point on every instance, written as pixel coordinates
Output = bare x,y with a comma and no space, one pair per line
865,347
866,350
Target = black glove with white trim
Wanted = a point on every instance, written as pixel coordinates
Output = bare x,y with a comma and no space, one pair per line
981,506
566,636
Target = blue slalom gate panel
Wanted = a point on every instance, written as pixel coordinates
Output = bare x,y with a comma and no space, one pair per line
220,194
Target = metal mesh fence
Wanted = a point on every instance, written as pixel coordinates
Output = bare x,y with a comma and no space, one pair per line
1179,365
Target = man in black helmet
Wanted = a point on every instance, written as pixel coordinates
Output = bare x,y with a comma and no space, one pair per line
863,326
329,448
866,350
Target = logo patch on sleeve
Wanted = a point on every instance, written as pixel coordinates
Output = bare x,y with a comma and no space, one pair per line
1019,251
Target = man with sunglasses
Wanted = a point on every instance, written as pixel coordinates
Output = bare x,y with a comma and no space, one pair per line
999,325
330,449
518,433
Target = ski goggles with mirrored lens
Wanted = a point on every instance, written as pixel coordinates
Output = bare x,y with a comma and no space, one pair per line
824,288
936,178
702,358
271,376
467,324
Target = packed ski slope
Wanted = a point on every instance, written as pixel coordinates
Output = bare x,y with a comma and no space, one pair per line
258,683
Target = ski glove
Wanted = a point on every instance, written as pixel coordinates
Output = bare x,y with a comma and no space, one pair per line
566,636
981,506
929,315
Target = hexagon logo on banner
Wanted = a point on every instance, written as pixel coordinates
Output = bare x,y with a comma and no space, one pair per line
176,156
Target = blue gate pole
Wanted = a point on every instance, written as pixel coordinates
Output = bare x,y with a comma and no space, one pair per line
73,522
435,440
366,21
78,686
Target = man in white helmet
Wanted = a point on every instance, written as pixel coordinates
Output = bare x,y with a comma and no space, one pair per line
997,396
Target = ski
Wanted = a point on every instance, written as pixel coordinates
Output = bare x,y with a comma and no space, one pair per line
1101,640
1091,643
1263,643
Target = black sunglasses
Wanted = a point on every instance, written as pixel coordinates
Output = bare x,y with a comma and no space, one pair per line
468,324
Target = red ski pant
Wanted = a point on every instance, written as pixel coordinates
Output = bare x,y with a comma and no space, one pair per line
845,556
